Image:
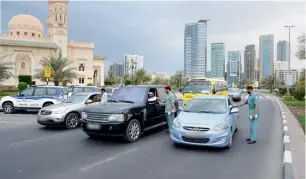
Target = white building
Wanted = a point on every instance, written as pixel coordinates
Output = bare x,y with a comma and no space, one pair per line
282,75
159,75
132,63
280,65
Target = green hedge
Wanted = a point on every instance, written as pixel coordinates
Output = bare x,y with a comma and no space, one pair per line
299,93
282,91
22,86
25,78
90,84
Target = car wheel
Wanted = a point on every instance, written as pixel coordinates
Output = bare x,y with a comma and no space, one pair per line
72,121
8,108
47,104
132,131
230,142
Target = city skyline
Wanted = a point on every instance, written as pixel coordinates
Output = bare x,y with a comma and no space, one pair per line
217,60
157,39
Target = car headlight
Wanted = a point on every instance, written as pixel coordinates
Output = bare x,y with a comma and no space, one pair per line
59,111
176,123
223,126
116,118
84,115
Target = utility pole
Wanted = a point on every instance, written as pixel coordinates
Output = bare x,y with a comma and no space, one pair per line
289,69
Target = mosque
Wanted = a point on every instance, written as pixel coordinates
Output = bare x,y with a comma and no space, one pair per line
25,45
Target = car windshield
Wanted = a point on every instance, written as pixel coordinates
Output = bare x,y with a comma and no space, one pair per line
206,105
197,87
129,94
233,90
108,90
75,99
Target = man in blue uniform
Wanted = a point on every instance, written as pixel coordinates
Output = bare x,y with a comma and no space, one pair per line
252,102
169,106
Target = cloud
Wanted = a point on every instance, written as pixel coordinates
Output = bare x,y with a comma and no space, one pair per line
156,29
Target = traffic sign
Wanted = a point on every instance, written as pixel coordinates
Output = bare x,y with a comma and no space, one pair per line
47,72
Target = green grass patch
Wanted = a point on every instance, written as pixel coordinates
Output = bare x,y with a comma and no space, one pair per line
294,102
302,121
8,93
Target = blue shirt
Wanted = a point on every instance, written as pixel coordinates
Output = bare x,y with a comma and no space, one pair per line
170,100
252,100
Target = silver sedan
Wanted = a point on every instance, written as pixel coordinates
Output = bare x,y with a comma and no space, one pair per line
68,113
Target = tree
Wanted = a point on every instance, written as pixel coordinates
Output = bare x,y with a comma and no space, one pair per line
301,47
141,77
5,69
270,83
110,79
177,80
160,81
60,70
243,82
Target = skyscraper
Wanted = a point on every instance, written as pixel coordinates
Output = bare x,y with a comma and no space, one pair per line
217,60
282,51
132,63
195,49
266,50
249,63
116,69
233,68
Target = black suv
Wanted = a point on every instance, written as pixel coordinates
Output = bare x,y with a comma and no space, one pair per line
128,113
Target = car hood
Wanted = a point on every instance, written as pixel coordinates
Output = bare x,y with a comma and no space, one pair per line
60,106
200,119
112,107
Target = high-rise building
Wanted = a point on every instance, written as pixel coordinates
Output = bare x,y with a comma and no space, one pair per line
195,49
282,51
132,63
257,69
266,50
249,63
233,68
280,65
217,60
116,69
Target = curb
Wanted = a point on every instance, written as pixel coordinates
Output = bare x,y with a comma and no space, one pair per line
287,154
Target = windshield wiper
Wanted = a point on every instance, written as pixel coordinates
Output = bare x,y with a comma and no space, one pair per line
110,100
125,101
208,112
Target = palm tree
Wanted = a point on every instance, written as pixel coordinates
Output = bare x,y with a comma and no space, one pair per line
5,69
141,77
301,49
60,71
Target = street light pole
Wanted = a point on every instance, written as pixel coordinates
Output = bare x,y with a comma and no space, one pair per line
289,69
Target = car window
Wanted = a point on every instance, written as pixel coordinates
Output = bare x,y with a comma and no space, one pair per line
95,98
161,94
77,90
51,91
39,92
65,90
99,97
27,92
206,105
132,94
109,90
88,89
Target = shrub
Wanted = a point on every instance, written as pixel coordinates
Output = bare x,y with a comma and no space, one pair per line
288,98
90,84
25,78
299,93
127,82
22,86
282,91
291,90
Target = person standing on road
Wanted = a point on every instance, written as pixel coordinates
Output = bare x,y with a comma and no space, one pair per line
252,102
104,96
169,106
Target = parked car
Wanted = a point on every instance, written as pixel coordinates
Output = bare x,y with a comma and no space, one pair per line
79,89
110,90
33,98
68,113
206,121
128,113
234,94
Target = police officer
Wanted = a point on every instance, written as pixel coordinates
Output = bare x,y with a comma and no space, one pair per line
252,102
169,106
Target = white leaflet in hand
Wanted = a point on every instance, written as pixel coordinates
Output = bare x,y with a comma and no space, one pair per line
256,116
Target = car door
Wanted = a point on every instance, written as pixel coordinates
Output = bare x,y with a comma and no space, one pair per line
234,116
36,101
23,97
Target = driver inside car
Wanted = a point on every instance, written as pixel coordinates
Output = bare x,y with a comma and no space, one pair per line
151,97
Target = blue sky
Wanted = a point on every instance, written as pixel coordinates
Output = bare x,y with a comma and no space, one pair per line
155,30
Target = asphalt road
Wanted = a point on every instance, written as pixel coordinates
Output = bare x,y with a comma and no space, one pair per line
29,151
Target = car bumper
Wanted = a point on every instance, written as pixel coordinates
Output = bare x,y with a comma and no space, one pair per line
214,139
105,129
52,119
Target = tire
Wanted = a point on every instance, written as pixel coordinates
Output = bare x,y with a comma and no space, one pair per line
231,142
72,121
236,130
47,104
132,131
8,108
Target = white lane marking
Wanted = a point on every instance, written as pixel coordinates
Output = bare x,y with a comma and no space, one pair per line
286,139
287,157
285,121
283,113
32,140
285,128
283,116
109,159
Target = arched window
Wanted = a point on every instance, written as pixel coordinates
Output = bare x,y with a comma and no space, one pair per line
82,67
17,33
23,65
25,33
38,35
33,34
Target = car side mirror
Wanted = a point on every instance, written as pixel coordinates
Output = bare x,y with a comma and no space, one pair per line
88,101
19,94
234,110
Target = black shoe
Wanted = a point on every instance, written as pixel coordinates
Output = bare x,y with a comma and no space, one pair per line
248,139
252,142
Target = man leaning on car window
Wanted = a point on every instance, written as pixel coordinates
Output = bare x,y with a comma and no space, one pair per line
104,96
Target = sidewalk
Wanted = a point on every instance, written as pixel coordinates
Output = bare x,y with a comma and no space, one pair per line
296,139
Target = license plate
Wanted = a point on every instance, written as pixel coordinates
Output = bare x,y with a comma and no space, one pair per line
93,126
